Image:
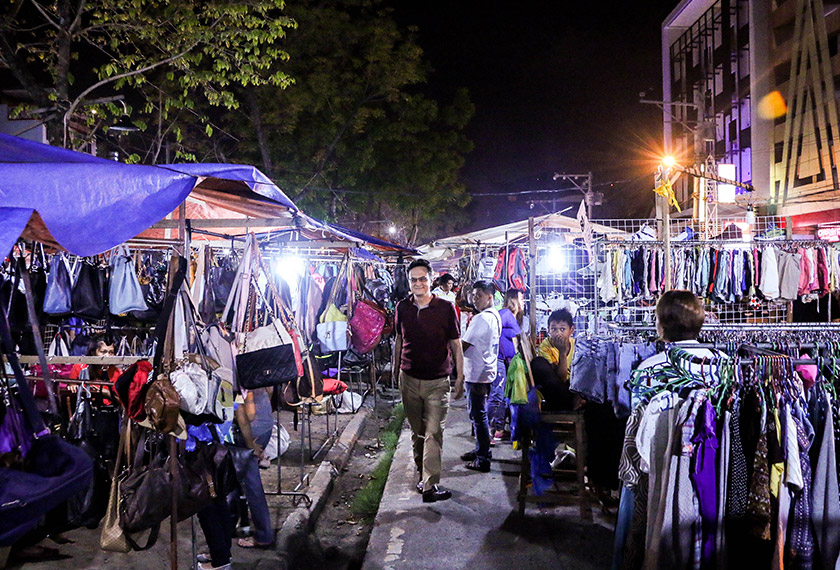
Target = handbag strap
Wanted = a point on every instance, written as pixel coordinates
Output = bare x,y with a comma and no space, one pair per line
164,327
30,410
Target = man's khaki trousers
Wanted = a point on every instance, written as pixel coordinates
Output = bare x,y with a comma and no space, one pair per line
426,403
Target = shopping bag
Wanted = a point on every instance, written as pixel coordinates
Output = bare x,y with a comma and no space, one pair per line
57,295
125,293
366,326
333,335
88,295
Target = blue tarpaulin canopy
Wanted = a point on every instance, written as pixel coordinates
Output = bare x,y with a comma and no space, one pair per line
90,204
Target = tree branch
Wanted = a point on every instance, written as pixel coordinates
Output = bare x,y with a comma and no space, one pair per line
46,16
113,78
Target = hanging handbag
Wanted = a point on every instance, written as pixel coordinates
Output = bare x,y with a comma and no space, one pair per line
366,326
53,470
124,292
86,508
162,404
332,331
88,295
58,292
333,336
113,538
310,386
152,280
145,491
266,367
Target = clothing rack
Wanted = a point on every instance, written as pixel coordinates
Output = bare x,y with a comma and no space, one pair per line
103,360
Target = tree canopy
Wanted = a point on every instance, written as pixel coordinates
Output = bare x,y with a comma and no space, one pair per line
354,139
70,55
325,97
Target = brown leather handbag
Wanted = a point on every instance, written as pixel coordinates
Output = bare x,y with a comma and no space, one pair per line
163,404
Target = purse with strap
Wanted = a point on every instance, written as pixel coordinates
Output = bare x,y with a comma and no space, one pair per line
52,470
269,355
113,538
366,326
59,288
88,295
124,291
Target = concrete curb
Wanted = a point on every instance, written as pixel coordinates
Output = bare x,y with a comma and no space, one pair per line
292,535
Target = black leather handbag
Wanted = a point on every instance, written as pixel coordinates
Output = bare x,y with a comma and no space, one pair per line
266,367
145,492
88,296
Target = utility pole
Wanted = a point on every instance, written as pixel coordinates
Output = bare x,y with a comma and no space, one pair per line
583,183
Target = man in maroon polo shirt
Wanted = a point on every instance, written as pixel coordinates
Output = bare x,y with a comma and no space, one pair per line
427,340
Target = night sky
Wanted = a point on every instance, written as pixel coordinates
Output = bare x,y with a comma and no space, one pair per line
556,86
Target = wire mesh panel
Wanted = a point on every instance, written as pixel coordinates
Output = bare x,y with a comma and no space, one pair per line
565,278
733,256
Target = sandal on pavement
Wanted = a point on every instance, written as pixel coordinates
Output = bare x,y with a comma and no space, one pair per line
250,542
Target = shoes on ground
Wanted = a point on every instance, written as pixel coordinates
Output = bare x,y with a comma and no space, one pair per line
436,494
251,542
501,435
209,566
471,456
202,557
479,465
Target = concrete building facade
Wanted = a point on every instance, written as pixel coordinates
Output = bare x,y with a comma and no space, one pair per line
727,65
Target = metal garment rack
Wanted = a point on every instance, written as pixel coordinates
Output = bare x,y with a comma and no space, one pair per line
304,478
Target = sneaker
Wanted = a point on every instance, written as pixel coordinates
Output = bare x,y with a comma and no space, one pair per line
564,460
645,233
772,232
685,235
501,435
203,557
468,456
209,566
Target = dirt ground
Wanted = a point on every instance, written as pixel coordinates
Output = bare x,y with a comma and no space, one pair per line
340,538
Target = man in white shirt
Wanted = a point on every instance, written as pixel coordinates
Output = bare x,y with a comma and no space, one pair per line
481,353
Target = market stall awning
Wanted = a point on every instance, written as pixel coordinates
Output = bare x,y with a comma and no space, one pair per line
88,205
513,232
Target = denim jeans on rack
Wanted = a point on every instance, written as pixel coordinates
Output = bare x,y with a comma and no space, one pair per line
591,368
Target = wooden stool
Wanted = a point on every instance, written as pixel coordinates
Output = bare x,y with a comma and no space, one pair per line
562,424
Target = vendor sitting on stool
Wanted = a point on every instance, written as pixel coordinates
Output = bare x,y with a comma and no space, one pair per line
553,362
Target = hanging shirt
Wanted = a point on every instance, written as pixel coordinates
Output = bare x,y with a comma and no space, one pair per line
769,284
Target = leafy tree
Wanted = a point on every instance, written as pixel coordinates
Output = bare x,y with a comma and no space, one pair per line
354,139
67,54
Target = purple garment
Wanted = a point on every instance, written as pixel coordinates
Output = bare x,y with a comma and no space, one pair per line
510,328
704,476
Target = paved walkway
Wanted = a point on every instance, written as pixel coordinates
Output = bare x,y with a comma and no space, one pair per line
479,527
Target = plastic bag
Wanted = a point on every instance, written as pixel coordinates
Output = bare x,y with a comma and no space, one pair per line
279,441
516,387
